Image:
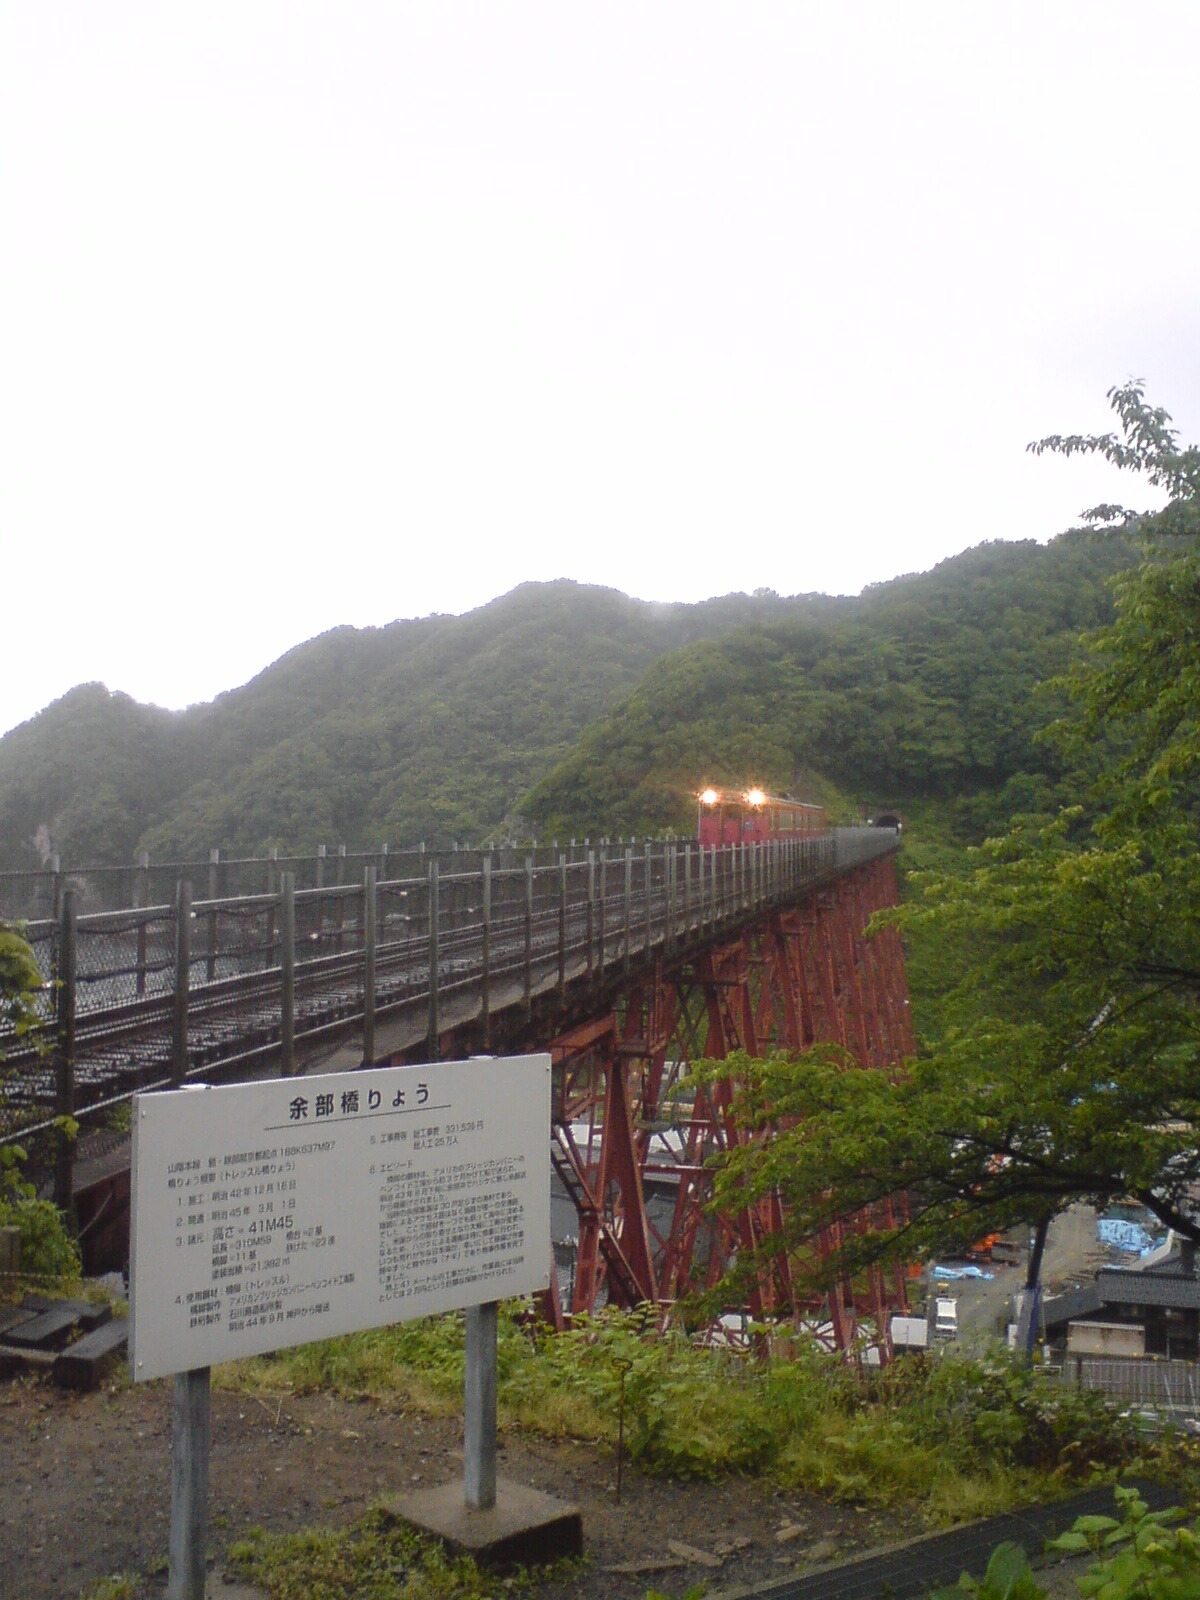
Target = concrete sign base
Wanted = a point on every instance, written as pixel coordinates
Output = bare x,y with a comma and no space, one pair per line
524,1527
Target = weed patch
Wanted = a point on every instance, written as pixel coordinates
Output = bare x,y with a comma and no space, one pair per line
376,1559
957,1437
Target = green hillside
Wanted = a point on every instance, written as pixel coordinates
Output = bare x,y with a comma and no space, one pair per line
923,689
574,709
430,728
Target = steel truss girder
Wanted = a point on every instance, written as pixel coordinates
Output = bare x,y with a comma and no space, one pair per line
792,978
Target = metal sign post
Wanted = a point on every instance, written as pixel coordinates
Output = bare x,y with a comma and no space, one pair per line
187,1546
479,1408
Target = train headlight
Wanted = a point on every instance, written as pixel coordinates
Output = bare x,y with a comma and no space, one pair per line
709,797
755,797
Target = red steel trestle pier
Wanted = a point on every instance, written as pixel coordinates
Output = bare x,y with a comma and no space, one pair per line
795,976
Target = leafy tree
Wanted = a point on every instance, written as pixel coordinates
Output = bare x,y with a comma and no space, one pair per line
1068,1063
46,1248
20,981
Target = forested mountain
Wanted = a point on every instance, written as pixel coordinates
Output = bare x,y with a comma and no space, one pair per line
577,709
924,688
428,728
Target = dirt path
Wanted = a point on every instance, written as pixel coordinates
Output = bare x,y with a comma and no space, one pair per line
84,1492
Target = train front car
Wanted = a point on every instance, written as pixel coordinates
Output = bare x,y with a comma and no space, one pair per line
738,816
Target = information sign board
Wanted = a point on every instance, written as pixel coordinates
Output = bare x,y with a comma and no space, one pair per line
274,1213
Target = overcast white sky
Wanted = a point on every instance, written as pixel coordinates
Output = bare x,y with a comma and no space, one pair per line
314,314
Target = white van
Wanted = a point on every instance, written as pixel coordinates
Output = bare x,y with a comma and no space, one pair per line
946,1320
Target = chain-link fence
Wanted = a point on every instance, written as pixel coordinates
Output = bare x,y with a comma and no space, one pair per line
1142,1381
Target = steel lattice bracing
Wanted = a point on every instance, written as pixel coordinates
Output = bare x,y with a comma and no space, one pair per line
790,978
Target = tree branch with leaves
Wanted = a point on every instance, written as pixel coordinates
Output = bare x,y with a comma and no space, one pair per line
1067,1063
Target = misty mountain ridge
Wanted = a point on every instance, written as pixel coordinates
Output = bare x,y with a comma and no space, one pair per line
563,702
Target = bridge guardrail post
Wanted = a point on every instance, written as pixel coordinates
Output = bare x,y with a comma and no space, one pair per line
141,898
671,861
591,912
485,980
528,935
434,1031
287,974
603,928
341,899
628,950
272,891
214,889
699,892
370,935
648,892
183,968
562,925
64,1055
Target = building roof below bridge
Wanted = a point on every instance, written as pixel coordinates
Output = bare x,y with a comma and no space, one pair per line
1124,1286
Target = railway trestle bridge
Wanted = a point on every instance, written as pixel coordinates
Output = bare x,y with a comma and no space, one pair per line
626,964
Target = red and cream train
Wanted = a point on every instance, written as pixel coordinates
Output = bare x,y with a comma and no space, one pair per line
736,816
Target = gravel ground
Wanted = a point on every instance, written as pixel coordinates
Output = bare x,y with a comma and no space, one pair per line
86,1493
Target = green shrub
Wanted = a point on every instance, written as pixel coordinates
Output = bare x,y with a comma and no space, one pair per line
1142,1555
47,1250
1008,1577
1149,1559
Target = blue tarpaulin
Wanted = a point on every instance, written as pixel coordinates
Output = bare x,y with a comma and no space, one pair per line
1125,1234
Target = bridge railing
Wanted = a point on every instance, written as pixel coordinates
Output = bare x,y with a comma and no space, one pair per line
34,893
154,995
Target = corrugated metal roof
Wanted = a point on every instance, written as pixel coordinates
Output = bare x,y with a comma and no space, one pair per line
1148,1288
